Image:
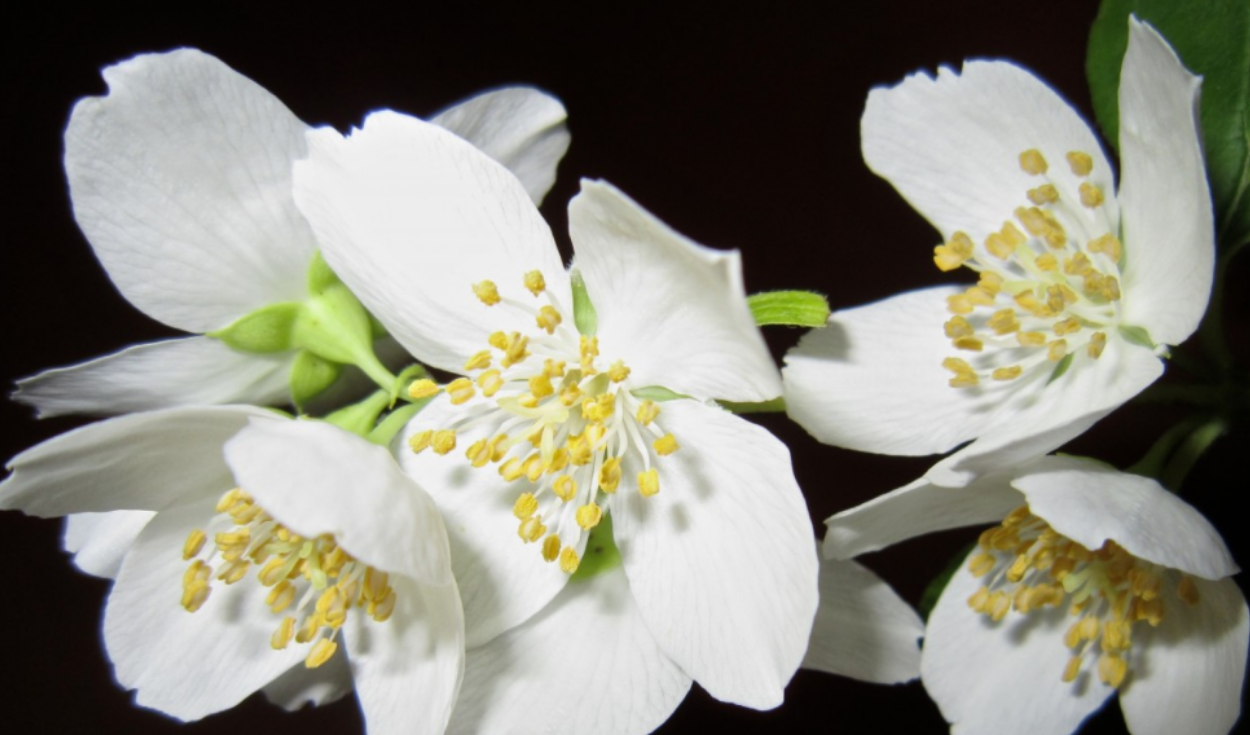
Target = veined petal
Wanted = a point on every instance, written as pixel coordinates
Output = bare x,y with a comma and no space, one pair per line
950,145
1168,225
990,678
410,217
408,668
722,561
586,663
300,686
916,509
1090,503
316,478
99,541
143,461
185,664
1194,666
503,582
181,180
520,127
192,371
675,311
863,629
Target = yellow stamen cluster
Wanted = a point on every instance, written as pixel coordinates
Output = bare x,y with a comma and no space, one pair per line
1028,566
315,570
1042,284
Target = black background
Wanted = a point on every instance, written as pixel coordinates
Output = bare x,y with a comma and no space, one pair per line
737,127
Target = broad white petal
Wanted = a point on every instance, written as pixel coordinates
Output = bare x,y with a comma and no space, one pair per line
502,580
916,509
301,686
1090,503
181,180
142,461
991,678
410,217
408,668
316,478
673,310
951,145
1193,666
191,371
99,541
722,561
863,628
1169,231
520,127
185,664
585,664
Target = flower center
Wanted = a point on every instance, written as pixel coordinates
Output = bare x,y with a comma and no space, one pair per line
1045,293
559,419
315,575
1028,566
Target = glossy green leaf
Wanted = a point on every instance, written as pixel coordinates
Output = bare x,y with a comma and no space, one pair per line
265,330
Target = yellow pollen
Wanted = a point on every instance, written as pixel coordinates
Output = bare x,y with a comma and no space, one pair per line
610,475
553,368
589,350
195,542
953,254
531,529
551,547
321,652
589,515
535,282
1080,163
1031,339
479,361
420,440
486,292
965,376
580,451
1091,195
1003,322
647,412
478,453
1067,326
282,636
540,386
444,441
565,487
423,388
1033,162
498,340
958,304
460,390
280,597
1108,244
569,560
666,445
548,319
1007,373
490,382
1056,350
1078,265
957,327
1112,669
599,409
1047,262
1071,670
512,469
1004,242
525,506
1044,194
969,343
648,482
516,350
618,372
981,564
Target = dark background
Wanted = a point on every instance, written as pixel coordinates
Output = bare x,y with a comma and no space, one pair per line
739,128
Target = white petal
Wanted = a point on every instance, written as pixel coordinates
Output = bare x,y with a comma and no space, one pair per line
520,127
863,628
188,664
675,311
408,668
1169,232
1090,503
301,686
916,509
585,664
99,541
1193,666
722,561
991,678
502,580
316,478
410,217
951,145
143,461
181,181
193,371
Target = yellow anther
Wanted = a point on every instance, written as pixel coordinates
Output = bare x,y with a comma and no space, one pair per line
460,390
443,441
548,319
516,351
1110,288
273,572
570,394
559,460
965,376
381,610
1080,163
1028,301
1031,339
1078,265
533,466
479,361
1044,194
1072,669
535,282
420,440
666,445
569,560
565,487
194,596
953,254
1067,326
978,599
233,571
589,350
1108,244
1187,590
553,368
281,596
957,327
1047,262
479,453
308,630
423,388
321,652
486,292
551,547
972,344
600,408
1057,350
1112,669
981,564
1033,162
1004,242
610,475
580,451
998,606
195,542
490,382
1091,195
618,372
531,529
589,515
647,411
594,434
1007,373
959,304
1016,571
1117,636
376,584
540,386
1003,321
282,636
648,482
498,340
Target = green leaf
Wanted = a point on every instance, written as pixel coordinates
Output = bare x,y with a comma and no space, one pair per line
584,316
1137,336
310,375
1212,38
789,308
268,329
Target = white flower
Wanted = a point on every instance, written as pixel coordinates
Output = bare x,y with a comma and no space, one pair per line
181,181
214,597
1095,580
717,576
1066,322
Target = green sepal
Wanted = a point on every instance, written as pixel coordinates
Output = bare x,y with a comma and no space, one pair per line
268,329
320,277
657,393
310,375
584,316
335,326
1137,336
361,418
789,308
384,433
600,554
932,593
1062,367
776,405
